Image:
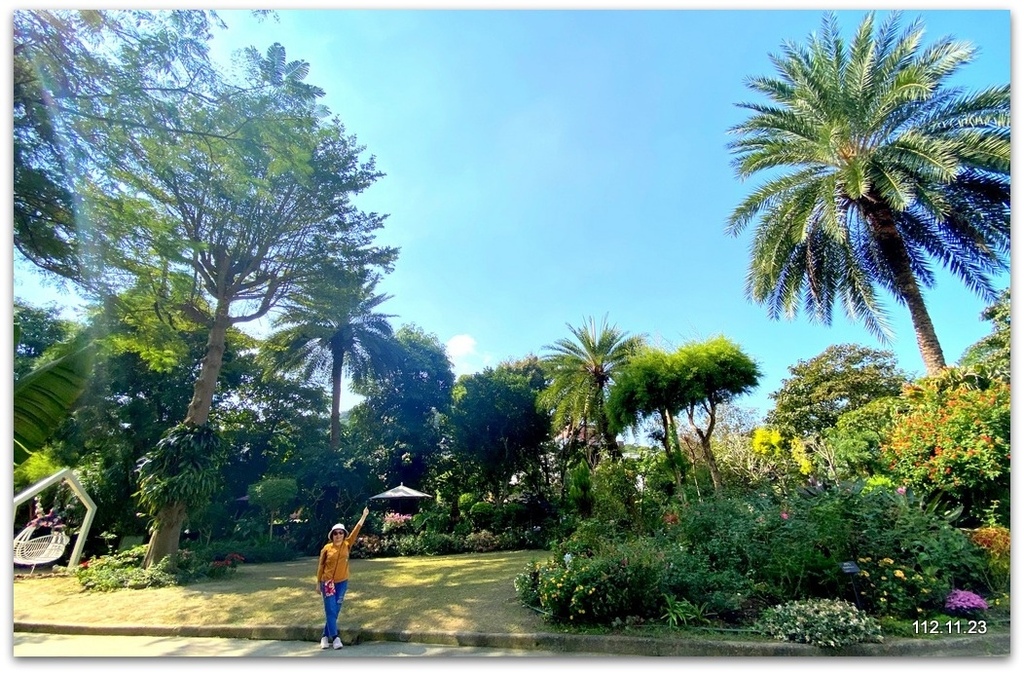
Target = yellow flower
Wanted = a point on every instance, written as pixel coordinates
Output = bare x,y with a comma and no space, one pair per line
898,573
887,561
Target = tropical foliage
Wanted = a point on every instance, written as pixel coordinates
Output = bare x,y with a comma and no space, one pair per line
582,370
331,330
184,204
879,164
955,443
44,396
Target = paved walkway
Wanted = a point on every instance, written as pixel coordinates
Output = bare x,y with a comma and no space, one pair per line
259,638
27,645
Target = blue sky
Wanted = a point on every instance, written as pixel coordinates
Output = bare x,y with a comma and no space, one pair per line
544,167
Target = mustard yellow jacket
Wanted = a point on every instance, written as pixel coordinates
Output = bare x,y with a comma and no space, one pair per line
334,558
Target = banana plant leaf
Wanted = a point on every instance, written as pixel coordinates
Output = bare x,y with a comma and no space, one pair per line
44,396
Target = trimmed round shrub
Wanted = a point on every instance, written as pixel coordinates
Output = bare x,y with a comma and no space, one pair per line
482,514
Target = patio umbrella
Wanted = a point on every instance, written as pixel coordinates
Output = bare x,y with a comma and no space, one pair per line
401,497
401,491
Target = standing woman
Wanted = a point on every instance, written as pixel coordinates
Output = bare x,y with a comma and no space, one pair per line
332,577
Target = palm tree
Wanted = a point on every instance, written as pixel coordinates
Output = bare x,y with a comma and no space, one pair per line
332,330
878,169
581,372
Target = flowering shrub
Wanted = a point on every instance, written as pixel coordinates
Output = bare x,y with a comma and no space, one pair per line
825,623
617,584
995,541
897,588
955,441
219,568
526,584
482,541
371,545
965,603
396,523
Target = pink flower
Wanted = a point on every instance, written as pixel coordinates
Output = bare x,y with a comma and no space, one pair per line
784,515
901,490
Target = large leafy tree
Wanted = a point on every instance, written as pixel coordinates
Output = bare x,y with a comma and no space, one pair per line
992,352
713,372
332,329
249,221
38,329
400,425
879,168
649,385
498,427
821,389
76,73
581,370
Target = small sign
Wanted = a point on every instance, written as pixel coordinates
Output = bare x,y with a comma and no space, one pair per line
850,567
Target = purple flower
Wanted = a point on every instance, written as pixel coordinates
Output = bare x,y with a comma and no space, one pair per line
964,601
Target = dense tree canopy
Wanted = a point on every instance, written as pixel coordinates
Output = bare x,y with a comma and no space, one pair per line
498,426
649,385
400,422
715,371
839,380
77,75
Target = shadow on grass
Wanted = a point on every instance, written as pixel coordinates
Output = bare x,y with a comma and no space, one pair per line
472,592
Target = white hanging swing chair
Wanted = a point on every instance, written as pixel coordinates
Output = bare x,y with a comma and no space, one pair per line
31,550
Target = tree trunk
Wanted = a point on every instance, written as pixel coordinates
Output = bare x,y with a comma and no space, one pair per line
705,443
884,232
666,422
167,527
164,540
202,393
927,340
336,370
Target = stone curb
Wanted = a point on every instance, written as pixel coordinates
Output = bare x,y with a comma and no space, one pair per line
988,645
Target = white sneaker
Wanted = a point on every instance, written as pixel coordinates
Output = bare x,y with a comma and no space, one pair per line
337,643
325,642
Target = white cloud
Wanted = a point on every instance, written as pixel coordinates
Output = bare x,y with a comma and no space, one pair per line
460,346
464,356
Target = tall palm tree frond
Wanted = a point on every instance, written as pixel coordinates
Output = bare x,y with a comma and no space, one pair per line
878,169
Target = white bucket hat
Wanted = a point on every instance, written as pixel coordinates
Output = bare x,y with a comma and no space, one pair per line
337,527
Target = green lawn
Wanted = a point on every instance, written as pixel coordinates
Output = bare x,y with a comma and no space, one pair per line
470,592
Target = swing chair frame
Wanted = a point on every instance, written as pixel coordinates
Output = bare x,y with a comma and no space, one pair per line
42,549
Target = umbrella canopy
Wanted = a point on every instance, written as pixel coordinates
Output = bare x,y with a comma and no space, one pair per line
401,491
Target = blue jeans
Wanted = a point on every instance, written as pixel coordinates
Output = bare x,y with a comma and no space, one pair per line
332,607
